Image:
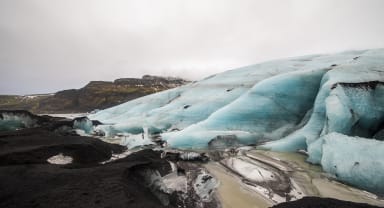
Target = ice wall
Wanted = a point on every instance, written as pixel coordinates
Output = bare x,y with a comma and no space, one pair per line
354,160
84,124
348,108
268,111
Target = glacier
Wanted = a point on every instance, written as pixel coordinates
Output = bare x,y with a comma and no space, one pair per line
331,106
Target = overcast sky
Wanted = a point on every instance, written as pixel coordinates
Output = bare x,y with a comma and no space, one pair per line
49,45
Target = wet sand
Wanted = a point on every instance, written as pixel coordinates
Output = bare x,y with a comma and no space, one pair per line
313,182
340,191
310,179
232,193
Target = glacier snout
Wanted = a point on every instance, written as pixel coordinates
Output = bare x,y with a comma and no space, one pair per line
332,106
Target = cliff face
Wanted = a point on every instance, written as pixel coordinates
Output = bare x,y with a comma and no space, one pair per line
95,95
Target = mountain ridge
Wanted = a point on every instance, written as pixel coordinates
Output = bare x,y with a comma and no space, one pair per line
94,95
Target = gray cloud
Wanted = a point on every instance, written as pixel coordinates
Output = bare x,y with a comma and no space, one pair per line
47,45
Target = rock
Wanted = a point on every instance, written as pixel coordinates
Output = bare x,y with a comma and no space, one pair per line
223,141
42,167
178,155
317,202
115,184
39,168
36,146
11,120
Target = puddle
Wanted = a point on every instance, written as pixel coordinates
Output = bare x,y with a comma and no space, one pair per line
232,194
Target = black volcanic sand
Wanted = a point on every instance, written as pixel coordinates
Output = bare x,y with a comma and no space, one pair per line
35,146
317,202
27,180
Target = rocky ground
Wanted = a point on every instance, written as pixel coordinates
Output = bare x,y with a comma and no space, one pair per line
41,167
316,202
44,163
27,179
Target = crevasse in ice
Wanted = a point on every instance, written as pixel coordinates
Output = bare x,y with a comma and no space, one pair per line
318,103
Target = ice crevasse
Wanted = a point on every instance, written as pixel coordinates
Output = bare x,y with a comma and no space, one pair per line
330,105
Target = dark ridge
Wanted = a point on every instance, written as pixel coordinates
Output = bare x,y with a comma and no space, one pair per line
44,122
81,185
17,112
362,85
317,202
35,146
28,180
95,95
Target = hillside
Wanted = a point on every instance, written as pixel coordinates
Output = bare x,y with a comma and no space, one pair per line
95,95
